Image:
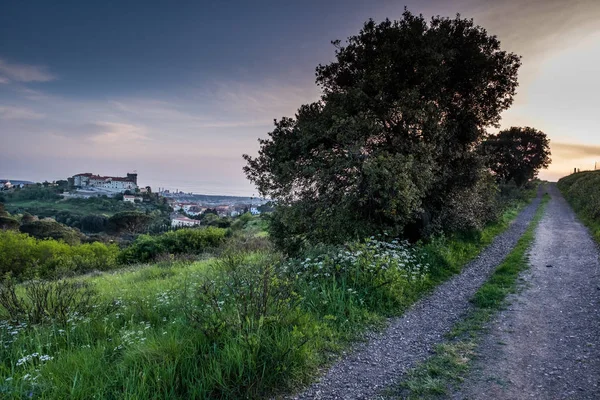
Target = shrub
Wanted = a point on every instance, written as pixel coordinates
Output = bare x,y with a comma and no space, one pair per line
46,301
253,327
7,223
376,274
182,241
27,257
48,228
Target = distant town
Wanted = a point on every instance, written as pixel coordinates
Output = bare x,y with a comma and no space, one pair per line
186,206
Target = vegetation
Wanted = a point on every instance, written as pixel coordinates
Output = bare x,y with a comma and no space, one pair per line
582,191
50,229
89,215
184,241
24,256
517,154
209,328
390,151
452,360
392,143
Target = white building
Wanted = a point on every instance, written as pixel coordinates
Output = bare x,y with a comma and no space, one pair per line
183,221
254,211
129,198
120,184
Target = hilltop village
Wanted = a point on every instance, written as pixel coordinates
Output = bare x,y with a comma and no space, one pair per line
186,206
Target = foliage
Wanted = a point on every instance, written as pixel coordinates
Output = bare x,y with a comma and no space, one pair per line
8,223
394,135
183,241
156,334
383,276
517,154
26,257
50,229
46,301
128,222
582,191
94,223
34,193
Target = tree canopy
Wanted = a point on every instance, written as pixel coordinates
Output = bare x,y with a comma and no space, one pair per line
393,136
129,222
50,229
517,154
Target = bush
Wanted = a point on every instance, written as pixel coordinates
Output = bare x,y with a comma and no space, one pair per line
27,257
8,223
50,229
253,327
46,301
183,241
379,275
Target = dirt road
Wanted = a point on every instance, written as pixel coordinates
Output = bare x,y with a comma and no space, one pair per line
547,344
409,339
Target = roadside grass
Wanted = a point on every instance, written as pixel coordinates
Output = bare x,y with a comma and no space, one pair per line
582,191
241,325
452,360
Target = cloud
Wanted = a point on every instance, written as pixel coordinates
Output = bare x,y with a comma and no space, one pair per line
11,113
113,132
3,80
25,72
575,150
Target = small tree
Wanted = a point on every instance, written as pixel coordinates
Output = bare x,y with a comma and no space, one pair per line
47,228
517,154
129,222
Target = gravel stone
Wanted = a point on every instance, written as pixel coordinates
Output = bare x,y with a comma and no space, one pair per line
385,356
550,334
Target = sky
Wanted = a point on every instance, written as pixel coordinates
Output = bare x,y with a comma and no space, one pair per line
178,91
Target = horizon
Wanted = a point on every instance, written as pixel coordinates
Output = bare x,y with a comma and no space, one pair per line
179,94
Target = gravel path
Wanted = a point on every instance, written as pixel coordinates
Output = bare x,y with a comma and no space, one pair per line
385,356
546,345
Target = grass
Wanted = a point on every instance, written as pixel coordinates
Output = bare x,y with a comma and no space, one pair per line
582,191
237,326
452,360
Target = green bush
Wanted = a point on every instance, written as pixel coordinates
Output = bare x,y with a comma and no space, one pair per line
8,223
24,256
50,229
183,241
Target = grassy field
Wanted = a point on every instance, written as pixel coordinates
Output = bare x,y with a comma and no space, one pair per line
236,326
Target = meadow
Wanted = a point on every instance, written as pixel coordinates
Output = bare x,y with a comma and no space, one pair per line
244,322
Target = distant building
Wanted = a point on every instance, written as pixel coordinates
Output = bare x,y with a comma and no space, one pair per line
5,185
183,221
254,211
113,183
129,198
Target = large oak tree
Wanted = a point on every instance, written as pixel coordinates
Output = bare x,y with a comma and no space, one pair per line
392,140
